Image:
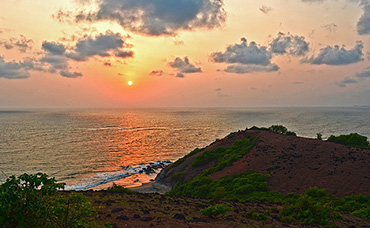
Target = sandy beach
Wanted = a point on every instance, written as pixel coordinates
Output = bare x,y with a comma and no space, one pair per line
151,187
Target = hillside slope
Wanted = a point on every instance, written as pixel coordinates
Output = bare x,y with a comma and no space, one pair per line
294,164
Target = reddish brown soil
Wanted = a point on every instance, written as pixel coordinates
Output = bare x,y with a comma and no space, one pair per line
294,163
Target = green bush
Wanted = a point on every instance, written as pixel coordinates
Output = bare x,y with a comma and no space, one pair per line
71,211
255,216
352,139
34,201
314,207
213,211
23,200
224,156
280,129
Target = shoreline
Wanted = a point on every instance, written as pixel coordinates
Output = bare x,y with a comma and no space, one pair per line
151,187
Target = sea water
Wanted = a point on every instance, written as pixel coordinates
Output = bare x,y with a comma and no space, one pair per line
92,148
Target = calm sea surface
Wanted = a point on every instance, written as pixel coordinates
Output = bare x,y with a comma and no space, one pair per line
93,148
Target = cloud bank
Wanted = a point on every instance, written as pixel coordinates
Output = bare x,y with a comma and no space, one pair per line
248,58
154,18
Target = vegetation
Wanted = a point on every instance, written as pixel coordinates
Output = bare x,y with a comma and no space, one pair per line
224,156
319,136
181,160
280,129
33,201
313,207
118,188
213,211
352,139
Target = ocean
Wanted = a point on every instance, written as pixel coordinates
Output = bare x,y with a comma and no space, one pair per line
92,148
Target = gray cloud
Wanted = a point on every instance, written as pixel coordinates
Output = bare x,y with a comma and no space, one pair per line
338,56
184,67
13,70
103,45
53,48
70,74
180,75
294,45
156,73
160,17
363,25
265,9
54,56
346,81
250,68
364,74
22,44
243,53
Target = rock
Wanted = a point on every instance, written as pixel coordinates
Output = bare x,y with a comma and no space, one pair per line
115,210
123,217
179,217
146,219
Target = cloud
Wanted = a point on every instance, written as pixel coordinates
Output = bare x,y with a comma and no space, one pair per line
183,66
180,75
243,53
13,70
336,56
22,44
250,68
265,9
346,81
364,74
156,73
160,17
248,58
103,45
363,24
70,74
294,45
220,93
53,48
330,27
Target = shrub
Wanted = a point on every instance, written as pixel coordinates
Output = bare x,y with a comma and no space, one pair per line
213,211
319,136
34,201
314,207
23,200
71,210
352,139
118,188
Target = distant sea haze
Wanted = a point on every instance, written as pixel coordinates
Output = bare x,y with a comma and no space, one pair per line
95,147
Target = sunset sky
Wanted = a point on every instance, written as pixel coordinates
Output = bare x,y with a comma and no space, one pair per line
184,53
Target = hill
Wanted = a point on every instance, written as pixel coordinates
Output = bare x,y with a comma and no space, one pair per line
293,163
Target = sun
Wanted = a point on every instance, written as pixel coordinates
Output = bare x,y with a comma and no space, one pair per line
130,83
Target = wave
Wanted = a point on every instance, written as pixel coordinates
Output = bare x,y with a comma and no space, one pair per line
106,177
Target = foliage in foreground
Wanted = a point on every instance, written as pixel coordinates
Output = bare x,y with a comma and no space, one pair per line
34,201
352,139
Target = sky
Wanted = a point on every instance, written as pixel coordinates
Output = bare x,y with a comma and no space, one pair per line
184,53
